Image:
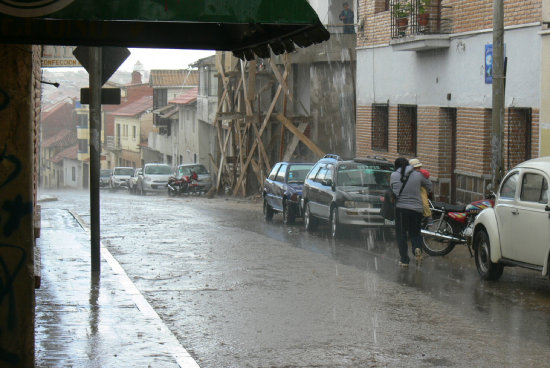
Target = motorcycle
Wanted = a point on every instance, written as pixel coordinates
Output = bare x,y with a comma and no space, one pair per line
184,185
451,225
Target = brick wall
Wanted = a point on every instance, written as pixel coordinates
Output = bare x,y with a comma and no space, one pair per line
435,146
465,16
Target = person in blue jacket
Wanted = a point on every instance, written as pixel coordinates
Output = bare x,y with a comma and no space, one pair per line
346,16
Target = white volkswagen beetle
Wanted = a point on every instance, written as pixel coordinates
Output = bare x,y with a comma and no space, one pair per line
516,231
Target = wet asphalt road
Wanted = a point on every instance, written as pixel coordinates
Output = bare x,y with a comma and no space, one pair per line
239,292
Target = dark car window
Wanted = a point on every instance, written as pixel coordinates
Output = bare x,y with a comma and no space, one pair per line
273,172
508,189
313,173
321,174
297,173
363,175
281,173
123,171
534,188
158,170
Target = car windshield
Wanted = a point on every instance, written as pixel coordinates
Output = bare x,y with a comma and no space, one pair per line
158,170
297,173
123,171
188,170
364,175
105,172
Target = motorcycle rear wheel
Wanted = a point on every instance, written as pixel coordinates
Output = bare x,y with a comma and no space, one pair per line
435,247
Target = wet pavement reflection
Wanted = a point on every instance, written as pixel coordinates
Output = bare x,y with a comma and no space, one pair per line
239,292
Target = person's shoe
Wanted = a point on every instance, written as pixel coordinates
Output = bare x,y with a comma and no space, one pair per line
418,255
403,265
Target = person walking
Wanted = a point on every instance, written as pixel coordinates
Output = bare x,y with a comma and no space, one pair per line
406,182
346,16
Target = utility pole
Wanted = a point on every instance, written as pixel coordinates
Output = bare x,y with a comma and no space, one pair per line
95,152
497,136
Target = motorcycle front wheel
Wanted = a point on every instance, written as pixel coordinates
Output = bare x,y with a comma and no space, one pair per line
434,246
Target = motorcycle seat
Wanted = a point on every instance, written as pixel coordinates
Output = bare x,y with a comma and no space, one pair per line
447,207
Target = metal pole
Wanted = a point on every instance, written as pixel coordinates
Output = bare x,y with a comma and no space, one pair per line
497,135
95,151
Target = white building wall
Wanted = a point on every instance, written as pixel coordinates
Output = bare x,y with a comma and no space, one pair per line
68,181
425,78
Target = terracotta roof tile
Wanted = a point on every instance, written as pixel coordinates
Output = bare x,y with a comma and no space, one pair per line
136,107
63,138
174,78
68,153
189,96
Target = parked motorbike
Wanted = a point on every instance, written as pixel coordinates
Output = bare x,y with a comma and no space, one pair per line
184,185
451,225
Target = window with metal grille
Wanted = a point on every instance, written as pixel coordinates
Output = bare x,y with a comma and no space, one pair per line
406,130
381,5
380,123
519,136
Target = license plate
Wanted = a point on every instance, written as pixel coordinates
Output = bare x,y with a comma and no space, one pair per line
388,222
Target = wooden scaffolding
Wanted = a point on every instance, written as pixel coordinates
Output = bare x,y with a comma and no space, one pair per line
247,144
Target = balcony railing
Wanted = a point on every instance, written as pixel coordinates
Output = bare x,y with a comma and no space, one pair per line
419,17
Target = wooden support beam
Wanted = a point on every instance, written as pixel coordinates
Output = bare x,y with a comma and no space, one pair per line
262,128
230,116
290,126
282,81
294,143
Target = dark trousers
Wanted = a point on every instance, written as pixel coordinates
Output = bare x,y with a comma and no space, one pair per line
407,227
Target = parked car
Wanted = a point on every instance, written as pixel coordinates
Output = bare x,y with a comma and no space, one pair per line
283,190
104,177
204,179
119,177
132,182
153,178
346,192
516,231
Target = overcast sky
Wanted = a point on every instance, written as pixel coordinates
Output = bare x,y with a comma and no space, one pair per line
163,58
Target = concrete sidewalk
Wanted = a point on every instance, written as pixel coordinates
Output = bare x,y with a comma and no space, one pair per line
82,322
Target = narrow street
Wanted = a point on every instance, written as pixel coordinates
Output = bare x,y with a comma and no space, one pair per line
239,292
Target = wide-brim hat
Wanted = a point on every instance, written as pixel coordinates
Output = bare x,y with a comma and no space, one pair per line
415,162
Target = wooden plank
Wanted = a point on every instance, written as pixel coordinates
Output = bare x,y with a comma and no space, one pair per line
230,116
282,81
294,143
290,126
262,128
261,147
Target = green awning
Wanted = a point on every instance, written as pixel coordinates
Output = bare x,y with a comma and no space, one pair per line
246,27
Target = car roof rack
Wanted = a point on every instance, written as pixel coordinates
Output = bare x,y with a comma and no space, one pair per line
379,158
330,155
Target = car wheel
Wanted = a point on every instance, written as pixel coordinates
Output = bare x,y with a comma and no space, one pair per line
335,226
268,211
486,269
289,214
310,222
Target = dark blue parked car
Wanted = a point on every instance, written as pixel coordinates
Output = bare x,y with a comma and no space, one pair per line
283,190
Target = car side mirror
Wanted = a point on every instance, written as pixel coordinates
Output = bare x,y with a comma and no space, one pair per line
327,182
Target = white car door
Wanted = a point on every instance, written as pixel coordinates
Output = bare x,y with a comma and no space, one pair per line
531,228
504,209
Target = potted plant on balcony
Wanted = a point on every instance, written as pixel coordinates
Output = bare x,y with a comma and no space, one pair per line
401,11
423,12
